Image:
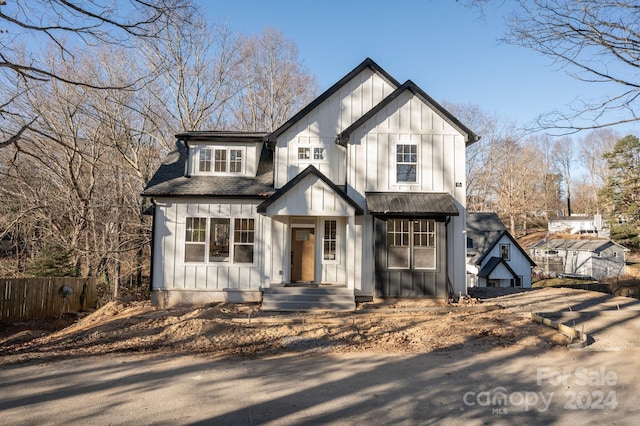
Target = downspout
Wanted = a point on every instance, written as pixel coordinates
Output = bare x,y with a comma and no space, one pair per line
187,162
153,243
446,258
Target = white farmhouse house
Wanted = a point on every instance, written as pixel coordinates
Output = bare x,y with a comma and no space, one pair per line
494,257
360,194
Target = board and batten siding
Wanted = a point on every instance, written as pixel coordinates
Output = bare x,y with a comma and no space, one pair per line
371,165
517,261
176,274
320,127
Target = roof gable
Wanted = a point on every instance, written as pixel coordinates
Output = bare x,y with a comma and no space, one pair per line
310,171
367,63
470,136
492,264
504,234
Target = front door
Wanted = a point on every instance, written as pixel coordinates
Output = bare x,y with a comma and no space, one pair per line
303,254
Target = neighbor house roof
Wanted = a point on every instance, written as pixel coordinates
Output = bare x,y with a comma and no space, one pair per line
592,245
171,180
411,204
367,63
471,137
486,230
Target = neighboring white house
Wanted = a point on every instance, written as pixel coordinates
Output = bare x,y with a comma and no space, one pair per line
494,258
579,224
363,190
584,258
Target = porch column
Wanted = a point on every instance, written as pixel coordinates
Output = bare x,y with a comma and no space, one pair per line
352,253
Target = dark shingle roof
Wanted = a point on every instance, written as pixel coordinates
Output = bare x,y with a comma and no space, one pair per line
170,179
483,229
492,264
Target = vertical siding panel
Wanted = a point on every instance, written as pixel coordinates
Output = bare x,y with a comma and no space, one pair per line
427,162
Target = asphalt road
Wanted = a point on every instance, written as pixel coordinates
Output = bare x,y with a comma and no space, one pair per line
496,386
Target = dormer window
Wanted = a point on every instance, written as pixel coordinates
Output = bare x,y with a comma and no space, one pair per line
205,160
220,160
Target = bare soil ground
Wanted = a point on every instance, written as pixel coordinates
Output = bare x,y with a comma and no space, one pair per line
229,330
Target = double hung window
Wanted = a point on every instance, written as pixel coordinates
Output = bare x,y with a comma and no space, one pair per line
406,163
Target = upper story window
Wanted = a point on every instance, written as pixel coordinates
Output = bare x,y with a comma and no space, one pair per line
505,251
205,160
406,163
220,160
319,154
304,153
312,153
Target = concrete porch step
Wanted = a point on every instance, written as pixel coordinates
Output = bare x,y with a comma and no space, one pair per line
308,299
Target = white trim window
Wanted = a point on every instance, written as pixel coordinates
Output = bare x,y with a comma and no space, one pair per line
315,153
204,163
228,161
243,240
411,244
195,239
406,163
219,242
330,241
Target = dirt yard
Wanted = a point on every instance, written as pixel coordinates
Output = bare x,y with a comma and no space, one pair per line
225,330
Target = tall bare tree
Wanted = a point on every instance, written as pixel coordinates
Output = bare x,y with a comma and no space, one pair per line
563,159
275,82
592,148
595,41
65,27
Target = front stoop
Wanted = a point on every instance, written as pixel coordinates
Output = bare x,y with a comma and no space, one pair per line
308,299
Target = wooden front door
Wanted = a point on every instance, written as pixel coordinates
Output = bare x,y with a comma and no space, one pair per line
303,243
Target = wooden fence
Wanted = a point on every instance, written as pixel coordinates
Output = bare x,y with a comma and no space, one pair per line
33,298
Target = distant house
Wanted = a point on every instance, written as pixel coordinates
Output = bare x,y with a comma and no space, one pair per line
359,194
584,258
593,225
494,258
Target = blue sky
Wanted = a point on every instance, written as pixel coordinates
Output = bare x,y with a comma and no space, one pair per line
448,50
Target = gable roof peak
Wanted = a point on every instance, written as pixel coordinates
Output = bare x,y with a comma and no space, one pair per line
367,63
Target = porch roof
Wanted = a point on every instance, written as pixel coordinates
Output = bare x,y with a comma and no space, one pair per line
424,204
287,200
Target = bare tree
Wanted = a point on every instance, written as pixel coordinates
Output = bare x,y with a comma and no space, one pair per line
64,27
275,82
597,41
594,145
563,159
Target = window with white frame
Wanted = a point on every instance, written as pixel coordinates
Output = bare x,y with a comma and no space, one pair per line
329,243
195,239
411,244
225,160
319,153
219,242
204,165
304,153
406,163
244,236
